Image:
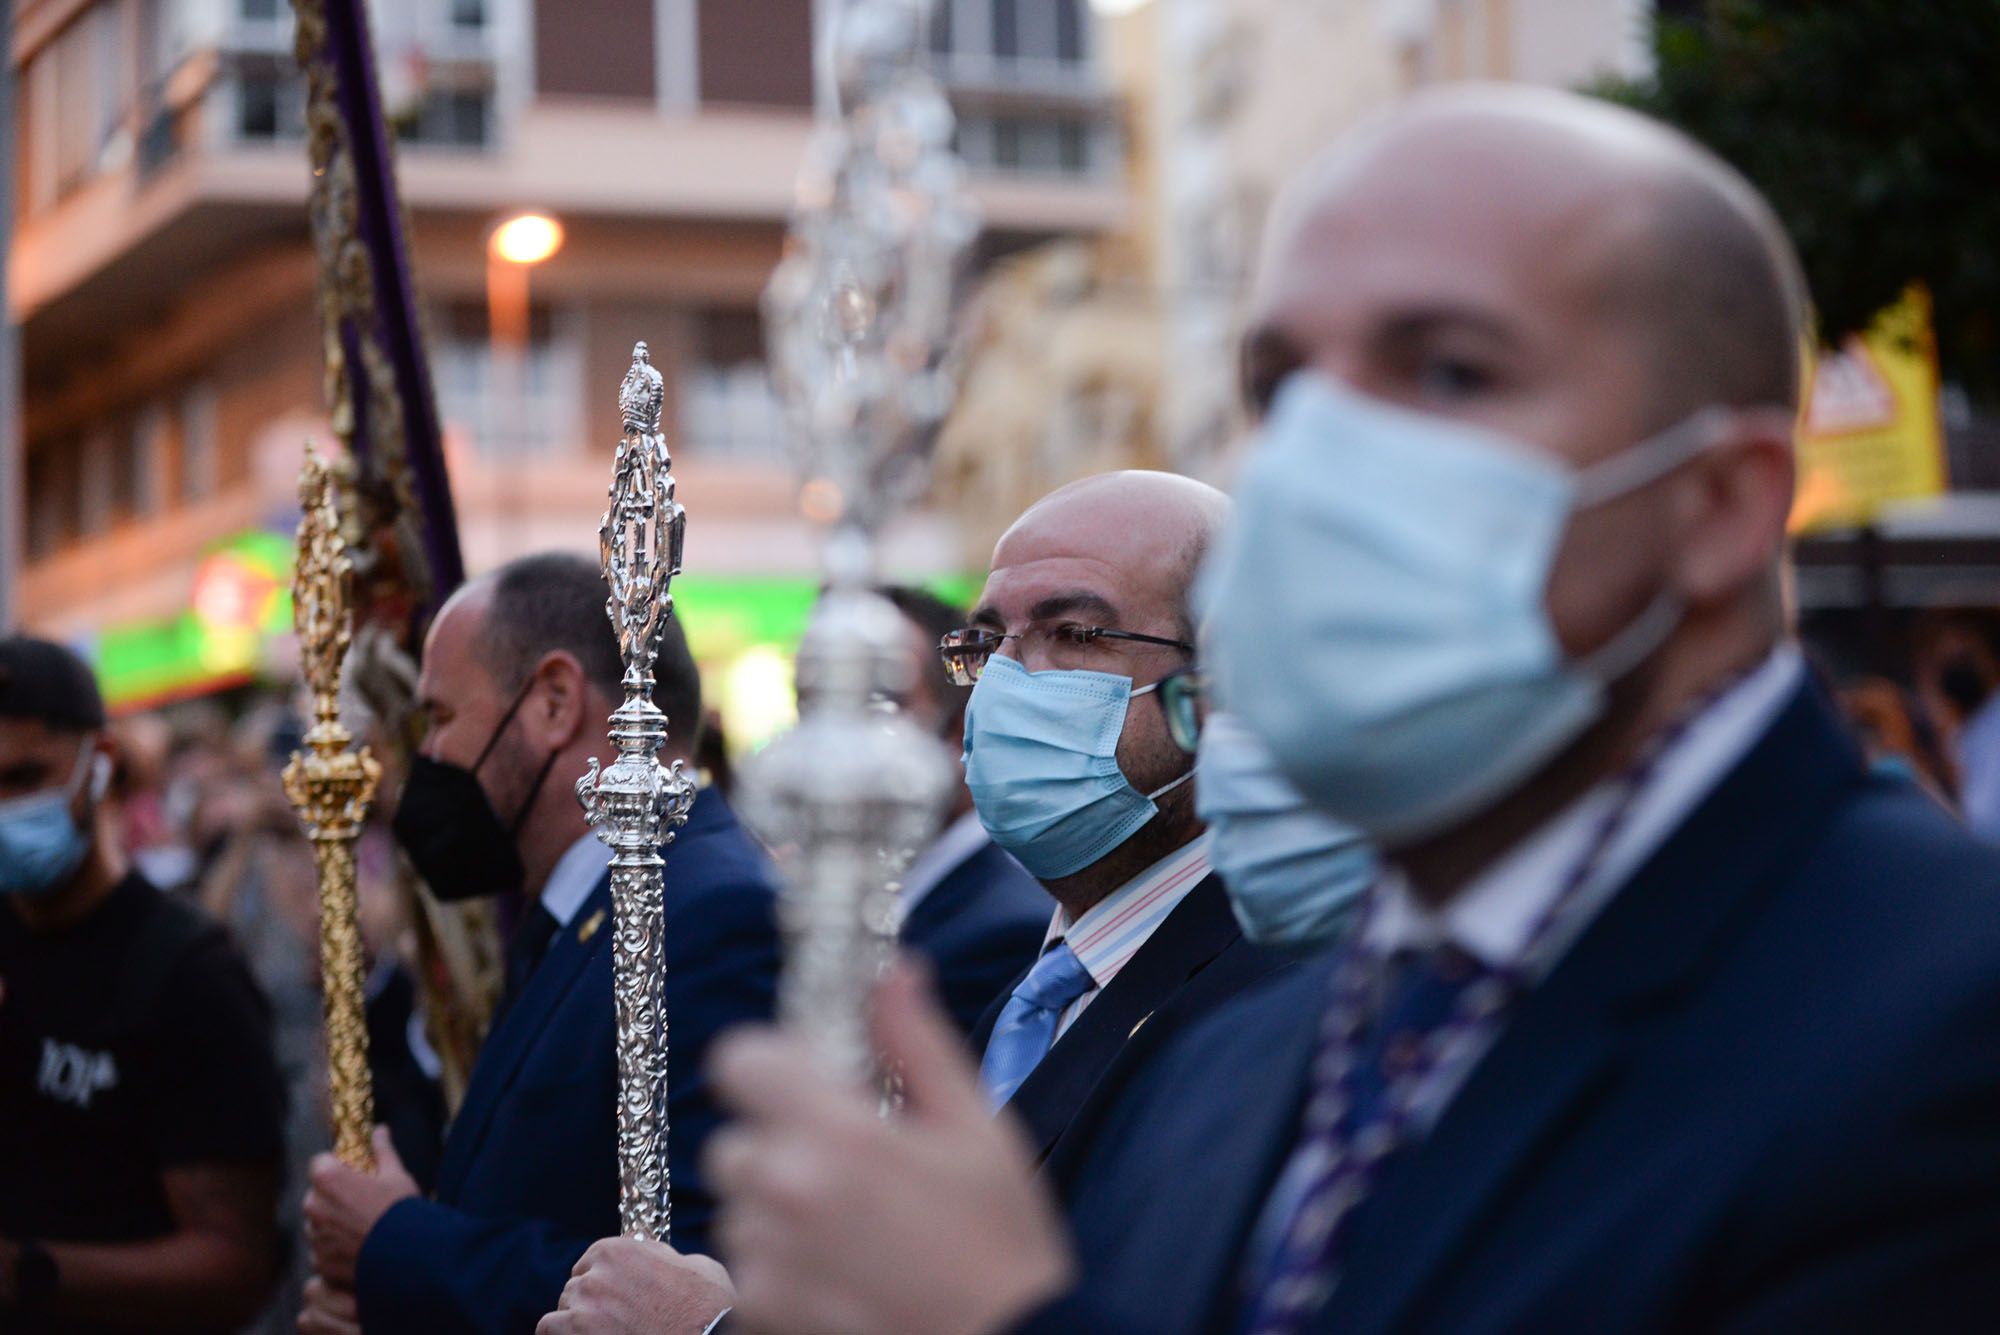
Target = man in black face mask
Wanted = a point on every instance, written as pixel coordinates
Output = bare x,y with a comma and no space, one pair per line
520,673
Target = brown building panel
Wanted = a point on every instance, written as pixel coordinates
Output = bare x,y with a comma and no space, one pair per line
595,48
757,52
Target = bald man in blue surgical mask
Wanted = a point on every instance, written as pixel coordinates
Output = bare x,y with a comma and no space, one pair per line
1667,1014
1073,770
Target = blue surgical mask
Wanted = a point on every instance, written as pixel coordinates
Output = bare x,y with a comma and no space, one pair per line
1294,875
1041,759
41,844
1377,605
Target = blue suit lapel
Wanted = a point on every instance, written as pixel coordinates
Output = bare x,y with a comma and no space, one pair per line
1567,1041
1200,928
509,1044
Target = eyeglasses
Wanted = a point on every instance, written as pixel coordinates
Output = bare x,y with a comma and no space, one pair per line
1181,696
1058,642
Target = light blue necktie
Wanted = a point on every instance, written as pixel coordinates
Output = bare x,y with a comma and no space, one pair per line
1027,1025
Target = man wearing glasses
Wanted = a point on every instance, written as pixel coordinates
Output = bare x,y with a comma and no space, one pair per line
1086,782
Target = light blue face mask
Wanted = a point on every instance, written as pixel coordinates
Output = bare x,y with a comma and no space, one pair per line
1041,760
1294,875
41,845
1376,609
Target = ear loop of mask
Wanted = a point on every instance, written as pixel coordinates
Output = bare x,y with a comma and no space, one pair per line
1161,792
1651,459
1639,641
90,771
1620,475
541,775
513,707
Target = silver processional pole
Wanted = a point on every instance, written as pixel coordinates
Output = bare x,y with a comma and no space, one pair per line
636,803
858,319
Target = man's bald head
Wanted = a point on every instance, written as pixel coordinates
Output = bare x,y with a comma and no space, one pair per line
1160,522
1671,242
1570,275
1114,553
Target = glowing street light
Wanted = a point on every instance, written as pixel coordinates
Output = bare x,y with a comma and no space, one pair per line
526,238
514,247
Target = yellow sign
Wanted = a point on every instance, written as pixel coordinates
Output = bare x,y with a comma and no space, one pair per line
1871,433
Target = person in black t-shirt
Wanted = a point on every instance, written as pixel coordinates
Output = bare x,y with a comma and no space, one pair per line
141,1112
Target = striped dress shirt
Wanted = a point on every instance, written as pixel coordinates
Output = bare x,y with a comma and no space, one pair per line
1111,931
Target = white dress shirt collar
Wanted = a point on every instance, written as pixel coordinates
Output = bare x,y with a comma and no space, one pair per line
576,874
1494,917
943,856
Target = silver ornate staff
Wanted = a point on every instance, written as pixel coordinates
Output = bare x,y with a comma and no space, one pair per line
636,804
858,319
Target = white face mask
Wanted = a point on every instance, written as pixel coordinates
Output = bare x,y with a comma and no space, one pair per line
41,843
1376,608
1294,875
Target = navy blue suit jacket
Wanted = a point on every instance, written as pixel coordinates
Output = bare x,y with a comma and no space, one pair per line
1760,1092
981,928
1193,962
529,1177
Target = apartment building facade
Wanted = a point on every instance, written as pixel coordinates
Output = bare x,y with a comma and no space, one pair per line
163,281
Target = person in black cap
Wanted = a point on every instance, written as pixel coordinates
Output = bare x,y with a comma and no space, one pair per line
141,1111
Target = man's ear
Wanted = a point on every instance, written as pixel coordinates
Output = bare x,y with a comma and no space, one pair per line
560,706
1733,519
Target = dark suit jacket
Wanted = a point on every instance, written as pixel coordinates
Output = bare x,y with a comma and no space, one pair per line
1194,961
1760,1092
981,928
529,1177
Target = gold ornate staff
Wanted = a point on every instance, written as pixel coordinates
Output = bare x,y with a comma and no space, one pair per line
635,803
331,784
389,474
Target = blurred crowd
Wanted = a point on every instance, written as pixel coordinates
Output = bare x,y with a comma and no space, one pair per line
1490,921
200,794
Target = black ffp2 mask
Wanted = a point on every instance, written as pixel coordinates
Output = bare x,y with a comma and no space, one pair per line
448,827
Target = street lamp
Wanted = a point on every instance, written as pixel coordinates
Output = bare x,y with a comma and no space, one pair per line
514,246
527,238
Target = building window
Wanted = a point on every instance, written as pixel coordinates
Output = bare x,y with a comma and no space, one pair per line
1012,38
455,118
727,406
1022,78
1069,30
1072,146
128,480
436,66
151,447
1051,143
52,501
1007,29
76,100
97,483
200,462
269,105
512,404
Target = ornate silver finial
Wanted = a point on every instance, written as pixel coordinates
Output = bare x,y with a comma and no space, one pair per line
858,318
636,803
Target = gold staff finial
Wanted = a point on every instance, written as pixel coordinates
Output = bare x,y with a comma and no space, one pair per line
331,783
